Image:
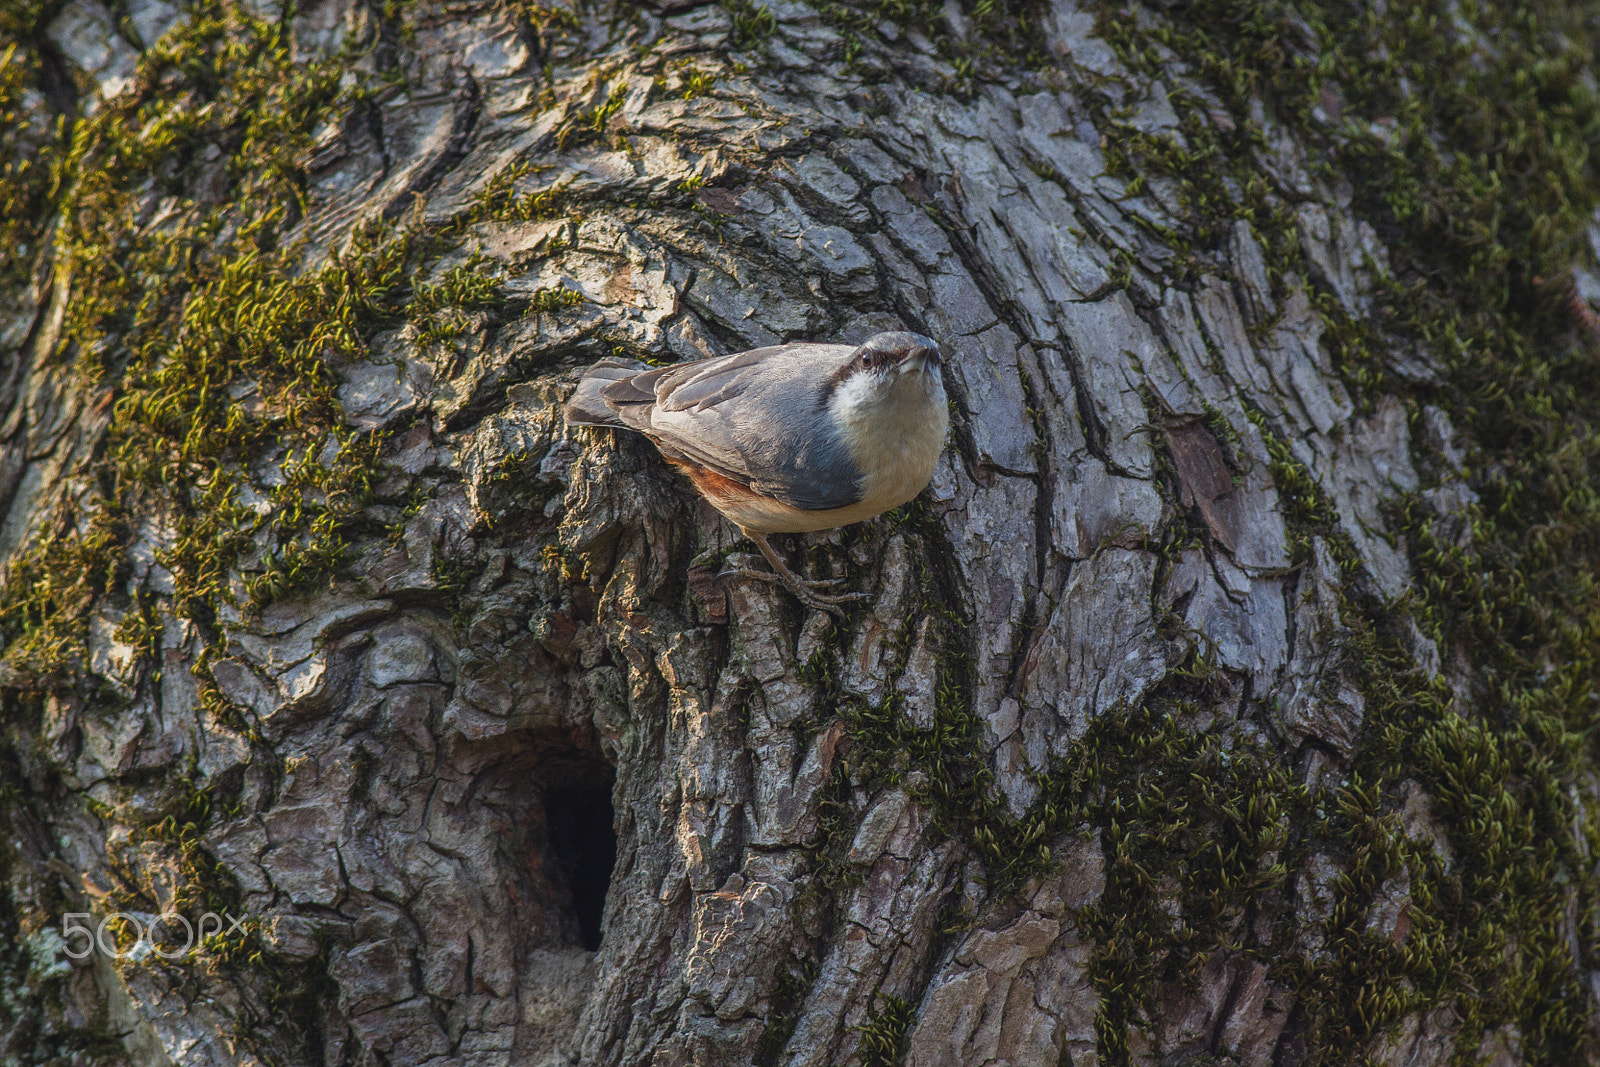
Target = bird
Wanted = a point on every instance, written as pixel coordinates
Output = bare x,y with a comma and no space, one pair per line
791,438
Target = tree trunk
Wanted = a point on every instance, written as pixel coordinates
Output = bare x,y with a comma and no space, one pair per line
1226,698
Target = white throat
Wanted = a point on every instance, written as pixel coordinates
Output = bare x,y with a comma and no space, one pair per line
895,435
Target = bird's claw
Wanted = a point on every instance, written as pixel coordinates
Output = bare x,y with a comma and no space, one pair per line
827,602
806,592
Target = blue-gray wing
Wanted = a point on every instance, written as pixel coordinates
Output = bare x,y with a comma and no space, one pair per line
759,417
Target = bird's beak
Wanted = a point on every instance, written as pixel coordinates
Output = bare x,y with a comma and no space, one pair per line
921,359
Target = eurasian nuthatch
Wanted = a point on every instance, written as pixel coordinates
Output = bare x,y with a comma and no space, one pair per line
788,439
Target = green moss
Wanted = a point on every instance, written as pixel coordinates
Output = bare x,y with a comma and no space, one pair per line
444,310
37,1028
883,1035
586,126
954,779
553,298
752,23
500,201
1000,34
551,20
696,83
199,334
211,342
29,144
294,993
49,590
1473,165
1198,815
1479,180
208,339
193,320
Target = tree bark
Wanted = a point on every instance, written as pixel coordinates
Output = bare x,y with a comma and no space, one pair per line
1166,736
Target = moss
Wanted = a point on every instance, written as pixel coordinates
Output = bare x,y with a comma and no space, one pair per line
49,590
29,144
955,781
1482,195
999,34
1198,815
210,340
445,310
198,333
1472,165
179,322
883,1035
1307,509
514,490
752,24
590,125
696,83
547,20
500,201
192,317
294,993
785,1004
553,298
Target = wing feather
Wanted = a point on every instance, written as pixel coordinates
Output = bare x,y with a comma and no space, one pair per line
755,417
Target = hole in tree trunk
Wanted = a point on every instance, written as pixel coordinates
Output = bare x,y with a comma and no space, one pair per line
547,800
584,846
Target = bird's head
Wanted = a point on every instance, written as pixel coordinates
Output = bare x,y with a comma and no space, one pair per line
887,355
889,394
890,365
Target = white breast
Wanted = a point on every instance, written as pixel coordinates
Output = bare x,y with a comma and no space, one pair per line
895,436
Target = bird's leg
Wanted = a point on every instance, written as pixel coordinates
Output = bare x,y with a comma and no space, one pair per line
807,593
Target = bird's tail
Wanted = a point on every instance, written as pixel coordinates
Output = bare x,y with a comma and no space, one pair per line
587,407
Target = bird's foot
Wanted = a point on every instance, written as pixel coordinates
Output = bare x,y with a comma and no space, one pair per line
808,593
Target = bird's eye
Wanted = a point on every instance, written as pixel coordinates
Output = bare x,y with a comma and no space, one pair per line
866,359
